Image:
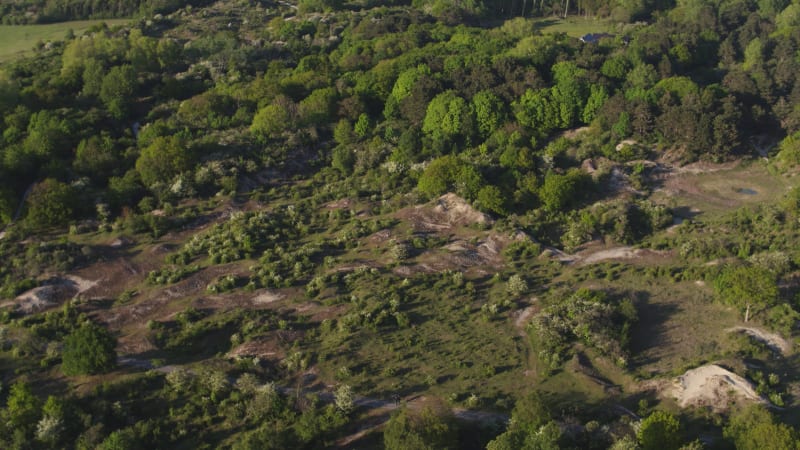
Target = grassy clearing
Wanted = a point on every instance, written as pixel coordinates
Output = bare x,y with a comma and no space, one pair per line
573,26
16,40
719,191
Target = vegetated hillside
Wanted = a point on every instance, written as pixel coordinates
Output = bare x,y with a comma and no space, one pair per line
264,225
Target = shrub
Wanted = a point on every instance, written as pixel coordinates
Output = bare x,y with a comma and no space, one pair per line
89,350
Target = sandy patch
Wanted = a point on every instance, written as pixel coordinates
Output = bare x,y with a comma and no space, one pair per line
52,292
268,297
712,386
444,213
772,340
624,252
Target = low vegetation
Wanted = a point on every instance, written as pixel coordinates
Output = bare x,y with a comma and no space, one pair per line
315,224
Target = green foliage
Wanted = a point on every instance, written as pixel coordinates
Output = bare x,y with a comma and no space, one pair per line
588,317
96,157
427,429
561,191
531,427
89,350
789,151
448,117
490,198
751,289
118,89
660,430
489,112
272,120
755,428
50,204
162,160
449,173
22,407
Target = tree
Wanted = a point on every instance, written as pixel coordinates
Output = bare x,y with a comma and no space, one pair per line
789,153
754,428
272,120
96,157
50,203
51,427
660,431
490,198
448,117
118,89
448,173
751,289
93,73
430,429
22,407
343,398
531,427
438,176
8,203
89,350
560,191
162,160
489,112
9,93
317,108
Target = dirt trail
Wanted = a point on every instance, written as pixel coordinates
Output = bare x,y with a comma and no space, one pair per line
772,340
712,386
593,256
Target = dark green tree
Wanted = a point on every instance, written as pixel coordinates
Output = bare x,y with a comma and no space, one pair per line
89,349
51,203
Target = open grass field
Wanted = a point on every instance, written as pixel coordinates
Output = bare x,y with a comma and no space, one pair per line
16,40
722,188
572,26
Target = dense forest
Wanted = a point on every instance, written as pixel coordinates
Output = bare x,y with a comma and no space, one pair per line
247,224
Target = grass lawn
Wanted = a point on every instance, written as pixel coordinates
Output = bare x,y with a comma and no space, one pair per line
15,40
573,26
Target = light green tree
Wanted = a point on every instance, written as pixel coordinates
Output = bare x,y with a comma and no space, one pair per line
272,120
489,112
754,428
660,431
118,89
162,160
751,289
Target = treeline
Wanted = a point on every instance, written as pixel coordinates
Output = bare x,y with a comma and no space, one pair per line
47,11
389,100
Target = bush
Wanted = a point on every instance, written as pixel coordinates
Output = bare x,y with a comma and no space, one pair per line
89,350
660,430
50,203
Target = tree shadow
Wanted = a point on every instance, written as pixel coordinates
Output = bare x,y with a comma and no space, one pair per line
650,331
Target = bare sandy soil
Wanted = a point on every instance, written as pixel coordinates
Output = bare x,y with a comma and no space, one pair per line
268,297
772,340
52,292
448,211
712,386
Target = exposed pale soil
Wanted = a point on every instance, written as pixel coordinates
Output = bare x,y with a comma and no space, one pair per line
712,386
773,341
